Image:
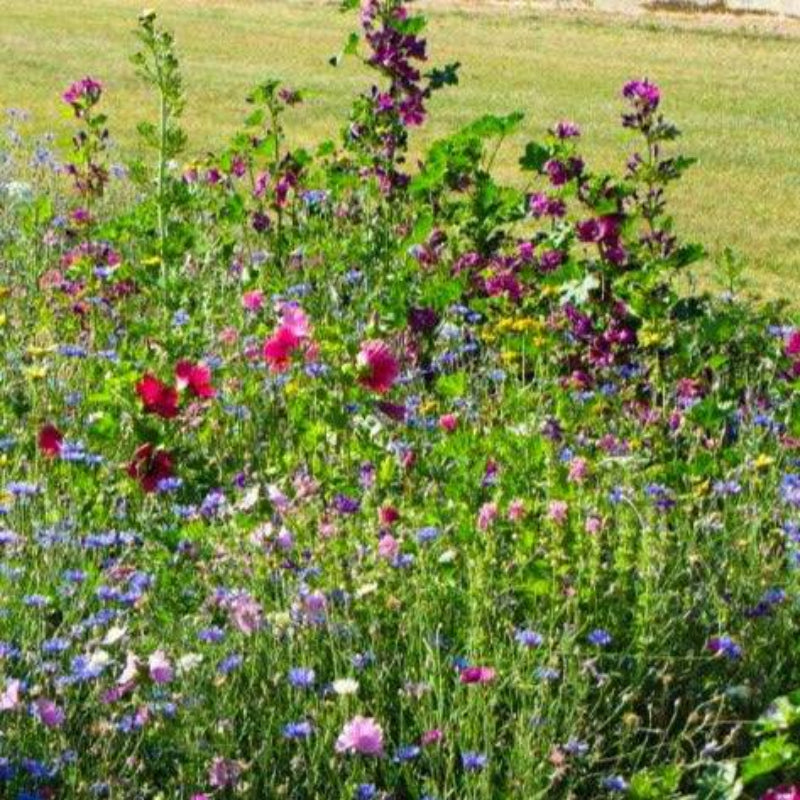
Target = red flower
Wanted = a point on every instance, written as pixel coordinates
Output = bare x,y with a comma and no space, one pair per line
50,439
477,675
279,347
157,397
195,377
150,465
793,344
378,366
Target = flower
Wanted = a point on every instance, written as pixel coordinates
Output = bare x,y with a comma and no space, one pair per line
157,397
473,762
278,349
377,365
160,668
725,646
345,686
195,377
599,637
48,713
150,465
643,94
10,698
50,440
361,735
480,675
253,300
783,793
83,94
224,772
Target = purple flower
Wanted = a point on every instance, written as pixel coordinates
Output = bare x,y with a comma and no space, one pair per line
644,95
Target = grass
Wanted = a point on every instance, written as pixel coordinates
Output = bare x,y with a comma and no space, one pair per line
732,93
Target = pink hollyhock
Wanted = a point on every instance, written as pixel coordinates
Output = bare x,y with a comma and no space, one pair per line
10,700
253,300
783,793
448,422
49,714
377,366
361,735
50,439
195,377
160,668
157,397
480,675
150,465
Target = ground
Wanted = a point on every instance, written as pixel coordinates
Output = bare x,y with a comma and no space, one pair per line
730,87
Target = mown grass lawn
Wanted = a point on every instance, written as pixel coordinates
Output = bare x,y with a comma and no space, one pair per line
733,93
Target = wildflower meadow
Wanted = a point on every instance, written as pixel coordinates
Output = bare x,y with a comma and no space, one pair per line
335,473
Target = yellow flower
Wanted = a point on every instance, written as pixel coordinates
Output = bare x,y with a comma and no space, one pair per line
153,261
763,461
291,388
2,320
509,356
36,352
702,487
427,406
36,373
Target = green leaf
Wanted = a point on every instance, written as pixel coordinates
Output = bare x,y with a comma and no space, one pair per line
719,782
768,757
535,157
491,125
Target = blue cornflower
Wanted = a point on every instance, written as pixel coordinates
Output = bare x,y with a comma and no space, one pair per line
407,753
473,762
298,730
301,677
528,638
615,783
599,637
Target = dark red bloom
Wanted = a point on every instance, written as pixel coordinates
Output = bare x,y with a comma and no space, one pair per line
195,377
50,439
157,397
150,465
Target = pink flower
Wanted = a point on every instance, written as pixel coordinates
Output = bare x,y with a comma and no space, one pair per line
388,515
793,344
578,470
516,510
487,515
161,670
361,735
224,772
278,349
388,547
294,319
10,699
433,736
593,525
557,511
783,793
448,422
377,365
480,675
195,377
49,714
246,613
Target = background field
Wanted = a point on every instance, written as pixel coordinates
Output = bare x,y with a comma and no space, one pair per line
732,90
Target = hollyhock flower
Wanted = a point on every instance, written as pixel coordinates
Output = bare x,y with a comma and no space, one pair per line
82,94
48,713
50,441
10,699
783,793
157,397
195,377
477,675
361,735
377,365
150,465
160,668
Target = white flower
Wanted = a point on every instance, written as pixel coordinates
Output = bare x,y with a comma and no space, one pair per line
345,686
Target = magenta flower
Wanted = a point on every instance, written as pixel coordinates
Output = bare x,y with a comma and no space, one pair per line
783,793
246,613
362,735
377,366
83,94
644,95
557,511
480,675
224,772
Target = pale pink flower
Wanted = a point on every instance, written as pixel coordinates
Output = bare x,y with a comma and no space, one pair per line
224,772
487,515
362,735
593,525
388,547
557,511
245,613
516,510
10,700
578,470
